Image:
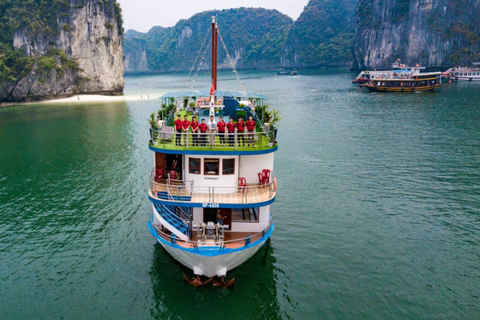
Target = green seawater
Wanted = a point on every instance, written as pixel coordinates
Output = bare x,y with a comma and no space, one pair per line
377,214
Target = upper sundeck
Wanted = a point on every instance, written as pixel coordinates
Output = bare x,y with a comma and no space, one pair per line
164,137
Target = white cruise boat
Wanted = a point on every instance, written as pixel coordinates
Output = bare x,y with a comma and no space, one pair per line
211,192
398,70
465,73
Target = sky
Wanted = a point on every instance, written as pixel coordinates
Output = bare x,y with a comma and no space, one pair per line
141,15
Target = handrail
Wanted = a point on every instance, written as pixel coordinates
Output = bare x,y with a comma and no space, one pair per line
217,244
203,141
219,194
183,215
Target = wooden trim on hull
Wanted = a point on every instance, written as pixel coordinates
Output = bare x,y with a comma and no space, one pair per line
401,89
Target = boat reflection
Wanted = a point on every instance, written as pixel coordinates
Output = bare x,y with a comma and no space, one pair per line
255,287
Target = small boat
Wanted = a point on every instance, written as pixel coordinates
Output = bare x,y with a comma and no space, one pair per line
465,73
211,192
292,73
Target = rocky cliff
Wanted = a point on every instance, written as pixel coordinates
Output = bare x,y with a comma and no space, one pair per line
322,35
430,33
253,37
60,48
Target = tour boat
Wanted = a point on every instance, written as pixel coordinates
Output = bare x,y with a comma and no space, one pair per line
412,81
465,73
211,195
398,70
367,75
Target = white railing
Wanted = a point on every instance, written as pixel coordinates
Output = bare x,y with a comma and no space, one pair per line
177,190
220,245
167,138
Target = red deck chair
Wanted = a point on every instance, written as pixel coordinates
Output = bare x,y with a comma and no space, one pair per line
242,182
159,174
173,174
266,176
260,178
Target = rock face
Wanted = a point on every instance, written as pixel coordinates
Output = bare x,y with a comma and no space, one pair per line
83,53
428,32
253,37
322,35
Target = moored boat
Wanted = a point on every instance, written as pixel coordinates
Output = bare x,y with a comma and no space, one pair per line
406,82
471,73
211,187
397,69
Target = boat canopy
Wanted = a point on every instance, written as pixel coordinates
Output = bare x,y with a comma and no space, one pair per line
218,93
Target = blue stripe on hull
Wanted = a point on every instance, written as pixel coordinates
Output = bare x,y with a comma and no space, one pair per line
210,205
216,152
213,251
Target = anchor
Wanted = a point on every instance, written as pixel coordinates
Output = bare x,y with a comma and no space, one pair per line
222,283
217,281
197,282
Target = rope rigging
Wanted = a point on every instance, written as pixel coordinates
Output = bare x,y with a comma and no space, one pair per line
197,63
195,66
232,63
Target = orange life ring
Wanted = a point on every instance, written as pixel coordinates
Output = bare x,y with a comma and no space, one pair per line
274,184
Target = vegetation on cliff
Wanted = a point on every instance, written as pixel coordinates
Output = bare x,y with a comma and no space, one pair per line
439,33
256,38
323,34
252,36
32,18
31,39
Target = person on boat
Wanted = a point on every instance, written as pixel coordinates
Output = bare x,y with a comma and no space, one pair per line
185,128
221,130
194,125
251,131
212,129
176,167
220,218
241,131
231,131
203,132
178,128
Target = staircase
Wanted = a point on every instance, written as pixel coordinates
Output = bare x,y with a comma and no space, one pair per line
165,196
169,215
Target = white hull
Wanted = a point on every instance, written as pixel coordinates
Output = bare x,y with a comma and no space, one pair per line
467,78
210,266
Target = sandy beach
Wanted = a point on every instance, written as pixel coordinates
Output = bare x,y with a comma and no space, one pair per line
89,98
101,98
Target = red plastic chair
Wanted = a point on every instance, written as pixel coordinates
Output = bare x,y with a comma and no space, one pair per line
242,182
173,174
260,178
266,176
159,174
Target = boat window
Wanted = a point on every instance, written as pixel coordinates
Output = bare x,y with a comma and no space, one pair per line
245,215
194,165
228,166
211,167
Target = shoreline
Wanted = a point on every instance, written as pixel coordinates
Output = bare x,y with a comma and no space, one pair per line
86,98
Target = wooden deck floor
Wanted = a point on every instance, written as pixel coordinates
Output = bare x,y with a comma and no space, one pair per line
253,194
230,238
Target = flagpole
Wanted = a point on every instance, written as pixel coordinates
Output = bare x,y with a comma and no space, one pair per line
214,52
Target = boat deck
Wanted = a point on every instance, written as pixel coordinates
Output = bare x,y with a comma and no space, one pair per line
232,240
249,194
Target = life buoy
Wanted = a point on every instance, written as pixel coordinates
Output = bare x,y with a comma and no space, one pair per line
274,184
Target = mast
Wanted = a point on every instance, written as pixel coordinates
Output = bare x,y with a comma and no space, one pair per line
214,53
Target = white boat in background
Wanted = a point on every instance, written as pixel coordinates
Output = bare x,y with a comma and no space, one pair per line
465,73
398,70
211,195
